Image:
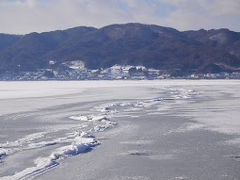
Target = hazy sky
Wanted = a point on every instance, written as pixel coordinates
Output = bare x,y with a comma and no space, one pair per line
24,16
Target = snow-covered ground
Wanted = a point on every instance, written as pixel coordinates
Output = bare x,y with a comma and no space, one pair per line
47,124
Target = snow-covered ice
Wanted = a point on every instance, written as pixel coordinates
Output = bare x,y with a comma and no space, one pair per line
51,121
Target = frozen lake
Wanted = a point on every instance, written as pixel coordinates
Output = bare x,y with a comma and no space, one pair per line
123,130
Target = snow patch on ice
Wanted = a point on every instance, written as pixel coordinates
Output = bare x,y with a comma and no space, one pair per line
138,142
180,178
80,144
128,178
88,117
175,94
25,140
105,125
24,143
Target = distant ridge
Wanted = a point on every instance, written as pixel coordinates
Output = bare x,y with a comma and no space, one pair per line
151,46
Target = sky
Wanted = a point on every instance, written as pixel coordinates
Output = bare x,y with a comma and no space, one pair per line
25,16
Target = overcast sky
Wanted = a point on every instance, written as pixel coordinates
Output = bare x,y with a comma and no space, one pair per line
24,16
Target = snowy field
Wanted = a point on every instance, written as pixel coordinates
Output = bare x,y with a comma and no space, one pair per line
123,130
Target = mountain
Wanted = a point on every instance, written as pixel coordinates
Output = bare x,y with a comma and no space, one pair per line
151,46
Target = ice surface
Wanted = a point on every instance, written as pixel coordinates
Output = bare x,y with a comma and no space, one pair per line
69,116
